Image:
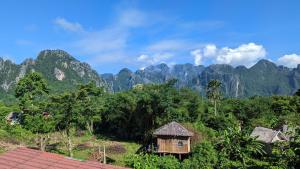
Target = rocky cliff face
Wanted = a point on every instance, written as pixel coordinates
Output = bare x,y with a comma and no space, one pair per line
64,72
61,70
264,78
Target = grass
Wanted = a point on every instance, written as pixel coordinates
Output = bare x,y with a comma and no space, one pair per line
86,144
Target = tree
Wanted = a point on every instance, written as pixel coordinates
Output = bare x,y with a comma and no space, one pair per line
237,149
32,92
67,115
119,115
91,104
213,93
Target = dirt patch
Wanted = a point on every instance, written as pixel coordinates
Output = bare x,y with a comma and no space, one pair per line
84,146
116,149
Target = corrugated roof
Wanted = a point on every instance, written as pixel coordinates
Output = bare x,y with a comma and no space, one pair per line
172,129
266,135
25,158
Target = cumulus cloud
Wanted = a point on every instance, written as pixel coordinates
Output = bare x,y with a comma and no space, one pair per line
245,54
290,61
197,56
146,60
67,25
210,50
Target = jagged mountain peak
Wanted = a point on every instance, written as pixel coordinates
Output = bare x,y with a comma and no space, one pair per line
54,54
125,71
264,64
220,67
158,68
264,78
64,72
60,69
8,61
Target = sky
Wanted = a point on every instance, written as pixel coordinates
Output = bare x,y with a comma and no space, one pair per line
112,34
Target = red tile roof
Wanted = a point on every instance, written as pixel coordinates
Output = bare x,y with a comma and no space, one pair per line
25,158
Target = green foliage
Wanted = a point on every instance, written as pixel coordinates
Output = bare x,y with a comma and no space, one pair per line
152,162
32,92
223,141
203,156
237,149
136,113
285,154
90,102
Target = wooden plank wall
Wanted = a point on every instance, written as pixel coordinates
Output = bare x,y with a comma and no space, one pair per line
170,145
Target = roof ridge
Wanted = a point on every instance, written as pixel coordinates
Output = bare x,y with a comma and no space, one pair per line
173,129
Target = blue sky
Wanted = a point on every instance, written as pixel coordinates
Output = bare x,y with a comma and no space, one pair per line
111,34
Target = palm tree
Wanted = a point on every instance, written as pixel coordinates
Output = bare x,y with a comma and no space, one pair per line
213,92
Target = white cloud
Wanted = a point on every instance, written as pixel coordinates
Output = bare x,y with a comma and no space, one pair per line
197,56
67,25
210,50
245,54
146,60
290,61
108,44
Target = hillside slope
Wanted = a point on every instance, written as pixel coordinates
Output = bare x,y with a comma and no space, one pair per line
64,72
61,70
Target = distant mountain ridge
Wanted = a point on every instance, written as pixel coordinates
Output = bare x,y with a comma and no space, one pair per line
64,72
264,78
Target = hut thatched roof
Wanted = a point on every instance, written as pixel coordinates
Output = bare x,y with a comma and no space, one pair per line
267,135
172,129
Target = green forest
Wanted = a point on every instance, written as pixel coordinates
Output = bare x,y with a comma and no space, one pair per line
62,122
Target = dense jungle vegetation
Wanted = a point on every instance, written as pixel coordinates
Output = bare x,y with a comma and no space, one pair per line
222,126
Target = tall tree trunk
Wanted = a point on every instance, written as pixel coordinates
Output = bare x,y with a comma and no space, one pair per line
215,105
42,147
40,141
90,126
70,146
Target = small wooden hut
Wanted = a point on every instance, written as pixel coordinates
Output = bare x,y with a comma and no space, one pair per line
173,138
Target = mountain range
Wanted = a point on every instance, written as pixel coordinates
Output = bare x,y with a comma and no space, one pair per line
64,72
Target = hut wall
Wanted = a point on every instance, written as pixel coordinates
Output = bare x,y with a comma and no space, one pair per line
173,145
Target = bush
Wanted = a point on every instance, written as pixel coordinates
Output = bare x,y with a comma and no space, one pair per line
152,162
204,156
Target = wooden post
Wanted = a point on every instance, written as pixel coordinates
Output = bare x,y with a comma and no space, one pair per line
99,152
104,154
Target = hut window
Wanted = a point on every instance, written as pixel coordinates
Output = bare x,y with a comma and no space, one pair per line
180,144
